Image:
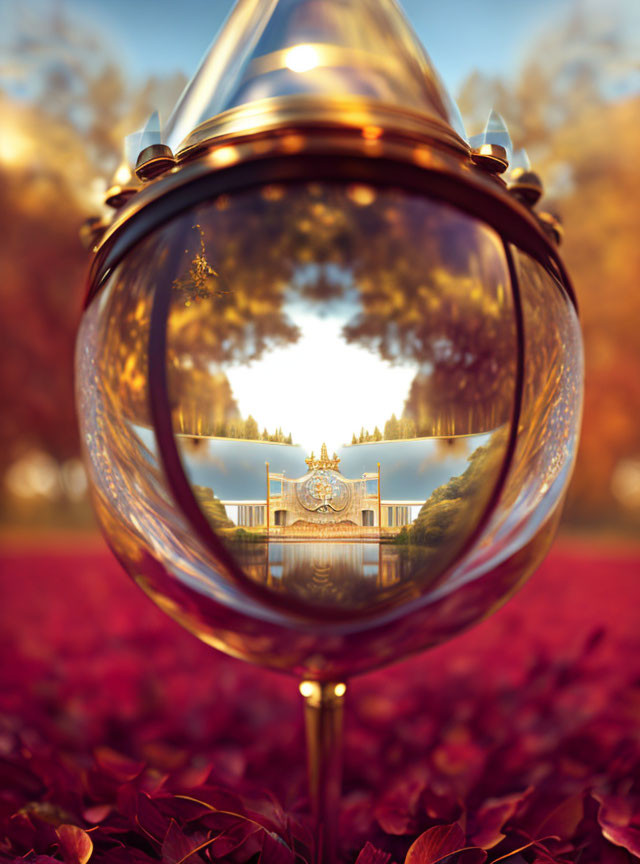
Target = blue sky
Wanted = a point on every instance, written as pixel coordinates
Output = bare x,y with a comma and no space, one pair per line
155,36
158,37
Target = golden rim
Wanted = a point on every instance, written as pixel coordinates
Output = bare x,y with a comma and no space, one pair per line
348,112
298,154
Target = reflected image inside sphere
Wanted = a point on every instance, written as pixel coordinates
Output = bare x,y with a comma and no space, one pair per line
373,431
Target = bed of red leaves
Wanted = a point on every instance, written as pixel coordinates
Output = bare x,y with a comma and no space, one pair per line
123,739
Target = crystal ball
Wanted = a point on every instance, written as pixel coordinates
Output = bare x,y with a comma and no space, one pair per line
325,425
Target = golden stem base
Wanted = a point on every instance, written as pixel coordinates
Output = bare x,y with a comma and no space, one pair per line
323,713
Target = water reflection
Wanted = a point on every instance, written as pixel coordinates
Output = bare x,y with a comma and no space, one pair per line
337,573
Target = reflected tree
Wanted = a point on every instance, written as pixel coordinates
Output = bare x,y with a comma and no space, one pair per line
453,510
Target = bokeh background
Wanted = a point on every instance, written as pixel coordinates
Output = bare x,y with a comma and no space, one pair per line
526,726
76,77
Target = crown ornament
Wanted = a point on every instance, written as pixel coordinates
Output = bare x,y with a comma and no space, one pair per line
324,461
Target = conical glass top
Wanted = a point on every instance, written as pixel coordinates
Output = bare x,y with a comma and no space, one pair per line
311,50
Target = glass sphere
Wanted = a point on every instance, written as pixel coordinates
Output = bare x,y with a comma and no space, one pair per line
324,429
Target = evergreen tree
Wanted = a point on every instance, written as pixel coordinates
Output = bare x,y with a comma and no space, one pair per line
407,428
251,428
392,429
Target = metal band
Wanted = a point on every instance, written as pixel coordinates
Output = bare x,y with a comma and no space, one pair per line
301,156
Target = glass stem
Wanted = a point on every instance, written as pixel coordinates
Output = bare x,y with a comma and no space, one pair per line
323,712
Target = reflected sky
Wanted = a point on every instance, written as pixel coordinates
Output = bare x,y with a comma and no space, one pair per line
235,468
313,368
411,470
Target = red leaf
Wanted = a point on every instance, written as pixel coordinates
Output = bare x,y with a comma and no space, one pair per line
627,837
396,812
128,855
220,822
371,855
614,816
441,807
232,838
75,844
97,814
528,845
176,846
275,850
216,798
149,817
563,819
439,843
485,829
17,777
120,767
42,859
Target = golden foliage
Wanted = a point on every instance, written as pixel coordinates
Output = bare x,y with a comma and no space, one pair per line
585,145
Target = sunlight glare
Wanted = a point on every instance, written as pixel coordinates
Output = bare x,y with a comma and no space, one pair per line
300,388
301,58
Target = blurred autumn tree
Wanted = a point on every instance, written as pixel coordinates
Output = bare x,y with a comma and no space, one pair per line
574,109
65,108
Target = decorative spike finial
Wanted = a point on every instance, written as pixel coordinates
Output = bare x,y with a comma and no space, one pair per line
492,149
146,152
524,184
496,132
